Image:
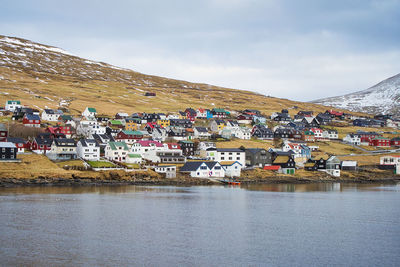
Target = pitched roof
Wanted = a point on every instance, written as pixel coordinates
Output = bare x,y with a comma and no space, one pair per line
16,140
229,163
32,116
149,143
134,156
201,129
3,127
129,132
7,144
281,159
115,145
11,101
92,110
86,142
194,165
65,142
229,150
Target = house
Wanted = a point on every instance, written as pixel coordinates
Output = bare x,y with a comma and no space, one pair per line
281,117
89,113
217,126
87,128
116,124
31,120
88,149
8,151
286,163
163,123
310,122
184,123
129,137
12,105
132,124
203,169
304,113
334,114
201,133
201,113
143,146
349,165
244,119
393,142
333,166
133,159
262,132
219,113
187,147
40,145
3,133
167,155
257,157
301,151
116,151
259,119
389,162
166,169
330,135
318,133
60,131
202,148
283,133
242,133
227,154
380,141
62,149
232,168
19,113
226,133
51,114
150,117
352,139
159,134
251,112
231,124
66,120
102,140
20,143
177,133
324,119
191,114
121,115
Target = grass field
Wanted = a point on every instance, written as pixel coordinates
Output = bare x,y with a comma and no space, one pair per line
100,164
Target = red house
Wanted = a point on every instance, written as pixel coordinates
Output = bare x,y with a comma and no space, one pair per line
129,137
380,142
31,120
20,143
40,145
60,131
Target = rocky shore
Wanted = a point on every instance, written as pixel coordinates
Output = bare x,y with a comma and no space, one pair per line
248,178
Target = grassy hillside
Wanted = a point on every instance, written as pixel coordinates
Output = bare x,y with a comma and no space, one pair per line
43,76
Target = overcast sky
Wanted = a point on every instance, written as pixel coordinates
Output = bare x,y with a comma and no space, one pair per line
301,50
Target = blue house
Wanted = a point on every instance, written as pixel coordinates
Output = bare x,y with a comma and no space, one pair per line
209,114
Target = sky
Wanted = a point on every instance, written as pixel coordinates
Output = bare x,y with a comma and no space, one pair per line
300,50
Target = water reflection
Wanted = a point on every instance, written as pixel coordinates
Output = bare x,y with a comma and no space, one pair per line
322,187
125,189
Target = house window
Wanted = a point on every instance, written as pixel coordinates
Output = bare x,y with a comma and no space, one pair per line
238,158
222,158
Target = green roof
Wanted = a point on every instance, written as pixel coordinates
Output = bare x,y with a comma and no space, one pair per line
219,110
115,145
115,122
132,132
17,101
380,138
92,110
134,156
308,133
66,117
186,142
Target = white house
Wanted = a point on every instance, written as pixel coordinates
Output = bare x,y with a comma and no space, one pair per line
51,114
90,127
203,169
89,113
88,149
168,170
352,139
133,158
12,105
201,113
330,135
242,133
201,133
317,133
116,151
142,146
227,154
390,160
232,168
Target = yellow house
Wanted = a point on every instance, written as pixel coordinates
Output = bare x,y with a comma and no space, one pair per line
163,123
132,125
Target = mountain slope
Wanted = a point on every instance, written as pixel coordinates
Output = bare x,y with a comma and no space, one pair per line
383,97
45,76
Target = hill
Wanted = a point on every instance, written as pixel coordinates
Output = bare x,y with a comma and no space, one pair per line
45,76
383,97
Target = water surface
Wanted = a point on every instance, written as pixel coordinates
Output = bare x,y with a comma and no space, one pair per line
275,225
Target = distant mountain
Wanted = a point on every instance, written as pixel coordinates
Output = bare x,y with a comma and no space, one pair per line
383,98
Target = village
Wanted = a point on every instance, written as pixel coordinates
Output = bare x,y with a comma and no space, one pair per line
200,143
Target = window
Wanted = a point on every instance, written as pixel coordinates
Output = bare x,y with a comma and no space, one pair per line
222,158
230,158
217,167
203,168
238,158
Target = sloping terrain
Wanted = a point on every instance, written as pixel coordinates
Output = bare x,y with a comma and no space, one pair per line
381,98
45,76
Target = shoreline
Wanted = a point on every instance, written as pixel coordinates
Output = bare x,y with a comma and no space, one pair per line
86,181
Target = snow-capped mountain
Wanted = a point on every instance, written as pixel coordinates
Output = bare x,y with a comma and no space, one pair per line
382,98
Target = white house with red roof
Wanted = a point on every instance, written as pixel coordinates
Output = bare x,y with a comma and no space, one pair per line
143,146
318,133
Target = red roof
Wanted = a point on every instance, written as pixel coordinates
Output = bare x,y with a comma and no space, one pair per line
149,142
174,146
272,168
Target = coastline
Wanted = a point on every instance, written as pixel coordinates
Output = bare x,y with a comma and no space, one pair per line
185,181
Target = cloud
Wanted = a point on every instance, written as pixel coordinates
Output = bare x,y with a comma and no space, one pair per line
300,50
